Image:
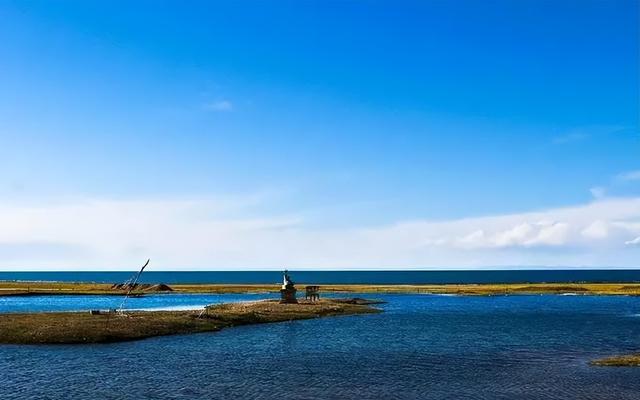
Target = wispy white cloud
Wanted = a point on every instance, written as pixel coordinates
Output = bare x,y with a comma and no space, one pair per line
598,229
580,134
598,192
629,176
570,137
633,242
526,234
216,233
220,105
614,184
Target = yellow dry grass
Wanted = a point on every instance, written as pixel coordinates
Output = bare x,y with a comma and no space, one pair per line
83,327
34,288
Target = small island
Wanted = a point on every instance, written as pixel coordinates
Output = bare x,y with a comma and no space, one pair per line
85,327
631,360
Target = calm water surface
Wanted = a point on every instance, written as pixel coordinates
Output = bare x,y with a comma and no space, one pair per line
421,347
344,277
149,302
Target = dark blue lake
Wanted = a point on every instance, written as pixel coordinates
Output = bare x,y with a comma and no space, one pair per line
421,347
337,277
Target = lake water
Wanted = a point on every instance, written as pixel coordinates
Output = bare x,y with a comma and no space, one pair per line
328,277
421,347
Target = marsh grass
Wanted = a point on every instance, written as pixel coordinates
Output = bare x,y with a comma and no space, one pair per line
632,360
82,327
71,288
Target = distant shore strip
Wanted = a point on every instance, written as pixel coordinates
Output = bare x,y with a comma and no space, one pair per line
23,288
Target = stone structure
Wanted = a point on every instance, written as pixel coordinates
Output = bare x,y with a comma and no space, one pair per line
312,293
288,291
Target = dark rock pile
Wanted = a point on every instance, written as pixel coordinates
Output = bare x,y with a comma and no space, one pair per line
142,287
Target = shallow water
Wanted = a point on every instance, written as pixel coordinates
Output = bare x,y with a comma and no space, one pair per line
426,347
93,302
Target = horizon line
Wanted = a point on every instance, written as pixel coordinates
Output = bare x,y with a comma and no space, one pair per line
454,269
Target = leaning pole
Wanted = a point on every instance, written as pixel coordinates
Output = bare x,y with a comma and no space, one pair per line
132,286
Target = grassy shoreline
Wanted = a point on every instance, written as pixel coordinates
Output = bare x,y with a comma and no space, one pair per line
75,327
11,288
84,328
630,360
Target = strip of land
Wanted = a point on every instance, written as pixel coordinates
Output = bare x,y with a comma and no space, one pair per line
11,288
631,360
83,327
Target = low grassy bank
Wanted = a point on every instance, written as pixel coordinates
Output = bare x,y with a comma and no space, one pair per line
55,288
458,289
25,288
631,360
82,327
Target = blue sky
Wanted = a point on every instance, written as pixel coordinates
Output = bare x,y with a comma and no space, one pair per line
324,118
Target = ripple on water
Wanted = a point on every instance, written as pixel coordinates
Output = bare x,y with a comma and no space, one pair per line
422,347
